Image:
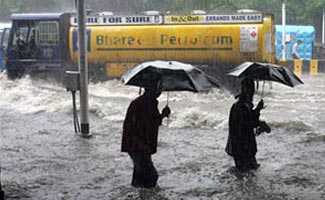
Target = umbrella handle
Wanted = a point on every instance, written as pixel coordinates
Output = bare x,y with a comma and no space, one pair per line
262,95
167,98
140,90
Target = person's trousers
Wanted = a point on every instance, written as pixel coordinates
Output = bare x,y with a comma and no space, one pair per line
245,163
2,194
144,172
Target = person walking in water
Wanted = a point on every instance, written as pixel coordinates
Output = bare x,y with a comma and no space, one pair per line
295,53
140,136
243,120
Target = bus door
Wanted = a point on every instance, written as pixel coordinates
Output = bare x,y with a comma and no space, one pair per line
4,37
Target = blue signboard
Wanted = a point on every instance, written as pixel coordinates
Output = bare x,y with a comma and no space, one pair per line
299,39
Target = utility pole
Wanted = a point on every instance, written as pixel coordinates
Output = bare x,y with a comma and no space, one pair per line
283,30
323,28
83,69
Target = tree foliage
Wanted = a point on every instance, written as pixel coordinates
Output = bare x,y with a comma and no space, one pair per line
298,11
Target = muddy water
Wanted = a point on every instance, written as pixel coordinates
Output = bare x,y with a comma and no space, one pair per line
42,158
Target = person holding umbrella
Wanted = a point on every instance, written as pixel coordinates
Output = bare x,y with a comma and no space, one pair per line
140,135
140,128
243,120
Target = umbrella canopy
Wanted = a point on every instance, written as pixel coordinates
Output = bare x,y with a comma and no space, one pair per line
172,76
266,71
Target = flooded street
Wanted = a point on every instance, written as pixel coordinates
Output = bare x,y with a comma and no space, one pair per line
42,157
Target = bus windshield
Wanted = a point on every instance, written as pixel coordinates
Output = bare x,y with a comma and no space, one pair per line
24,42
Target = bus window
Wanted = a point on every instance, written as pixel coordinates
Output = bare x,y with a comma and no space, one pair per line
48,33
24,40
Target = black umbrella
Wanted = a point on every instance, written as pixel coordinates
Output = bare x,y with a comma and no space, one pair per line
266,71
172,76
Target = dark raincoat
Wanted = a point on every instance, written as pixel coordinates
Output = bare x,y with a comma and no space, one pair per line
140,128
242,121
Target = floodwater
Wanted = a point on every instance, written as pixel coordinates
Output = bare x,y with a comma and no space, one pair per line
42,157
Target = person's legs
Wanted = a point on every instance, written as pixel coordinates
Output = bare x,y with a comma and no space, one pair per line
241,163
294,56
2,195
151,175
138,172
253,163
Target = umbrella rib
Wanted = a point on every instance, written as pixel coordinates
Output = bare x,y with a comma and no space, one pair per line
192,81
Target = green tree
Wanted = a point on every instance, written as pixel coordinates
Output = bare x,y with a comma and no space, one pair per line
298,11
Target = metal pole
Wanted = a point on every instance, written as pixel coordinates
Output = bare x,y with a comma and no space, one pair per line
323,30
283,30
83,68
